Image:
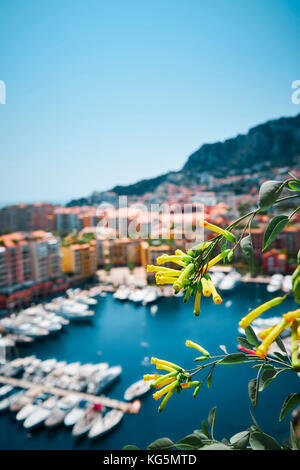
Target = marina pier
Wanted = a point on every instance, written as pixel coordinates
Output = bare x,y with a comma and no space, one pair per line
131,407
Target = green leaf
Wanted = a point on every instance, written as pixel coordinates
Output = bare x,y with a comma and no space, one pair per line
247,249
253,392
130,447
261,441
269,193
280,344
289,403
251,336
209,379
244,343
215,446
273,229
294,185
192,441
267,377
201,435
205,430
240,440
235,358
212,418
161,444
293,438
280,356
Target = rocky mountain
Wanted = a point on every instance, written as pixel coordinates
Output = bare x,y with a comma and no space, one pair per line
275,143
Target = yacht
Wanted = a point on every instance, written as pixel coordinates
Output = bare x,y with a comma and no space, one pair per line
150,295
275,283
287,283
105,424
40,414
5,390
137,296
122,293
60,411
137,389
30,408
13,395
104,379
230,282
87,421
217,278
73,416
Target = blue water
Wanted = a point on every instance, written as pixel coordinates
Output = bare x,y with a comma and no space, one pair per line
116,334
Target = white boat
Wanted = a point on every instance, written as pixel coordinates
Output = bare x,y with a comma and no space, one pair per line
122,293
275,283
59,412
217,278
5,390
73,416
5,403
137,295
40,414
87,421
230,282
137,389
150,295
287,283
153,309
19,403
104,379
29,409
106,424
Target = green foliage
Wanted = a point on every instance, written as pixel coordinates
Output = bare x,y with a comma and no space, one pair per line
274,228
289,403
252,438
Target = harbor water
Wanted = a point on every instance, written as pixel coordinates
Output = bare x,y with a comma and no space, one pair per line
128,334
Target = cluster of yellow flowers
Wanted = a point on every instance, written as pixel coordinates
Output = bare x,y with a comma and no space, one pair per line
269,335
193,275
176,378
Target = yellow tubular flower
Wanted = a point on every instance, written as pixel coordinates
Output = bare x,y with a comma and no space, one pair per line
298,332
264,333
292,316
155,269
215,295
161,362
191,344
177,259
164,280
159,382
166,382
165,400
163,391
197,304
205,287
248,319
178,284
215,260
152,376
189,384
164,367
263,348
295,357
214,228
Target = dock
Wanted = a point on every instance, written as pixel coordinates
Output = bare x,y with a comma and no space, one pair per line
126,407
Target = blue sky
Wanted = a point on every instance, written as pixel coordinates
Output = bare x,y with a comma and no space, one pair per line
108,92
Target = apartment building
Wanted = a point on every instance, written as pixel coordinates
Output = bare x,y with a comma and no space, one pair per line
25,217
80,259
